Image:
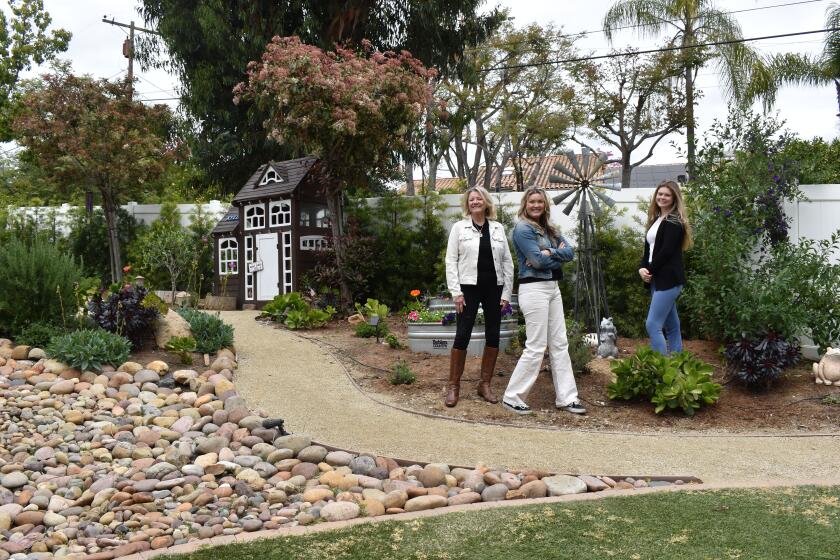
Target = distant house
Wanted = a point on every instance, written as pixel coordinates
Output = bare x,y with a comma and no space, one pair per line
268,238
536,171
648,176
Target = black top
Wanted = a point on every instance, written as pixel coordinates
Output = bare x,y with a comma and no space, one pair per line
666,264
486,268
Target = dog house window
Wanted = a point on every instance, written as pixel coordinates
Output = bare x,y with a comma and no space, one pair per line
313,242
228,256
314,215
255,216
249,276
280,213
271,176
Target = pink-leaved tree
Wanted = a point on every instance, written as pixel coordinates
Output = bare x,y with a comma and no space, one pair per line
352,110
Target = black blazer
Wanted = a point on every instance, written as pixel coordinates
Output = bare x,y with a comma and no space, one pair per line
666,264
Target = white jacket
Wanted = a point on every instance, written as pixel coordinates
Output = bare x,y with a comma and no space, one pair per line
462,257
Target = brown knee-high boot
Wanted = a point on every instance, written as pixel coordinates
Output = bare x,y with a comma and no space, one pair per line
457,359
488,366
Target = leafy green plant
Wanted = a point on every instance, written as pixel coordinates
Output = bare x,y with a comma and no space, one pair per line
579,350
366,330
394,342
295,312
679,381
36,285
152,300
89,349
184,346
402,374
209,331
38,334
372,308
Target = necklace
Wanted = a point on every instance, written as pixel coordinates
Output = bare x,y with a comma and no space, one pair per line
480,228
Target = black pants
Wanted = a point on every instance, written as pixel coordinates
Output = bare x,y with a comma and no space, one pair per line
490,298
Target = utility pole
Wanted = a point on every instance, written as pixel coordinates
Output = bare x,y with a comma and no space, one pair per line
128,48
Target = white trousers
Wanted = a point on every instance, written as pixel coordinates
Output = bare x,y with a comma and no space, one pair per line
542,306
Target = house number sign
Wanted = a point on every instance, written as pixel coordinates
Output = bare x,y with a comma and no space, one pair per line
255,266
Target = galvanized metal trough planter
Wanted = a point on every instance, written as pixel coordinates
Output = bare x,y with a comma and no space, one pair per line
435,338
447,305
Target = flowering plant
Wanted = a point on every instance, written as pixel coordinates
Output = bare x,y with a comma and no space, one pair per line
507,310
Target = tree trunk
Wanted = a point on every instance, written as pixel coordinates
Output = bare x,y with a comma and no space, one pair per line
689,113
626,170
837,87
336,218
409,178
431,180
110,209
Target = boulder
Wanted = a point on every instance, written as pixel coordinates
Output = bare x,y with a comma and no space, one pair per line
168,326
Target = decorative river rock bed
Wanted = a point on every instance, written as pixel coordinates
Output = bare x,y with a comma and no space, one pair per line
101,465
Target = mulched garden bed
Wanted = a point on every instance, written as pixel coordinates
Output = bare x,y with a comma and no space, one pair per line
793,405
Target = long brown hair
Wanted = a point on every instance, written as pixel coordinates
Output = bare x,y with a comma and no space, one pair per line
544,224
677,214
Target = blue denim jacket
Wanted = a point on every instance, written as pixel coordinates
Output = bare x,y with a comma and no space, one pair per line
529,245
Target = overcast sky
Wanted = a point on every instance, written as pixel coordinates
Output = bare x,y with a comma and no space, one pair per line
96,48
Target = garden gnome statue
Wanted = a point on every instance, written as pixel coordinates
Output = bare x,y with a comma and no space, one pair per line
827,371
608,337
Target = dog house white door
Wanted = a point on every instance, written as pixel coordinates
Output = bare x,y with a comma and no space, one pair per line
268,278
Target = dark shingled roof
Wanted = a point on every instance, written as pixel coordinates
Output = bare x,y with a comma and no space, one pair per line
292,171
229,221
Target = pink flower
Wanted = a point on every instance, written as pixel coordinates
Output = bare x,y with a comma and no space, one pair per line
413,316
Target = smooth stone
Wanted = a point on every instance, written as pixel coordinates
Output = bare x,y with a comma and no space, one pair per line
431,476
340,511
294,442
14,480
594,484
494,493
464,498
312,454
561,485
421,503
362,464
338,458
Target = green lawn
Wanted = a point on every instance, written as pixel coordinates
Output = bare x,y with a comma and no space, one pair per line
784,524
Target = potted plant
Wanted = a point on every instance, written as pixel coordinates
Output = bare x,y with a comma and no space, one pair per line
433,331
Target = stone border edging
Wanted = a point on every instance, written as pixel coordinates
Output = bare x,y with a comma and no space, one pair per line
301,530
553,428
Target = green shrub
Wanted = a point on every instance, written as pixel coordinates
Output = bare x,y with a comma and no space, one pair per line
402,374
679,381
394,342
90,349
209,331
295,312
184,346
372,308
36,285
366,330
38,334
579,350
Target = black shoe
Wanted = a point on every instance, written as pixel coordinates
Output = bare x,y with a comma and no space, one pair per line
517,409
575,408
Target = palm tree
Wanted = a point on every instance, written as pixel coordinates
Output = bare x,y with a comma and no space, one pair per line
778,70
693,22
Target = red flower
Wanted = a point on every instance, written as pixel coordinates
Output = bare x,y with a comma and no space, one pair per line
414,293
126,268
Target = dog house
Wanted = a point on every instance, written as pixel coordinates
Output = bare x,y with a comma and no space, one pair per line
268,238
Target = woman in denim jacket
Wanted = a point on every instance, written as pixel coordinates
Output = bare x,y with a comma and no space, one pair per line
541,251
479,269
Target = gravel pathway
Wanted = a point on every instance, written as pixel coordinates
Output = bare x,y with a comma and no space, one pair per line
292,378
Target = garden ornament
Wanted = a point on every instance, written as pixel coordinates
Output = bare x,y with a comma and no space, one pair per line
827,371
608,336
584,176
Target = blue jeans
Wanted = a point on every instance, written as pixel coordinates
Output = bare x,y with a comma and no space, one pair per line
663,323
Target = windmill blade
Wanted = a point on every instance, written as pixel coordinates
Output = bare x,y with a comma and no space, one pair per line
585,153
568,209
610,187
564,170
584,206
561,197
573,159
558,179
600,161
594,203
604,198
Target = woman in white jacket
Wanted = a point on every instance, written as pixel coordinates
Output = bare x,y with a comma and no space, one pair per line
479,269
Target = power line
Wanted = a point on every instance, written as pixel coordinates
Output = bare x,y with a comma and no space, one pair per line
639,25
664,49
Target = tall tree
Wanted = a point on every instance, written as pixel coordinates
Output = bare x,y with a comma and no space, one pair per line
353,111
779,70
209,43
630,101
88,135
24,40
693,22
511,102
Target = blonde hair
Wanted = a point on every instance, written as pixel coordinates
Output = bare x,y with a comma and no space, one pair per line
489,207
544,224
678,213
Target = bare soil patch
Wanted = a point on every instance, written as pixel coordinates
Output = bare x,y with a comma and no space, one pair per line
793,405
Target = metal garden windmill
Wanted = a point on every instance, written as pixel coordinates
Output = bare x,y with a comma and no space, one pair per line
584,177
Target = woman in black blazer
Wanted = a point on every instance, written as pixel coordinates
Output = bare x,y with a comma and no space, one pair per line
668,234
